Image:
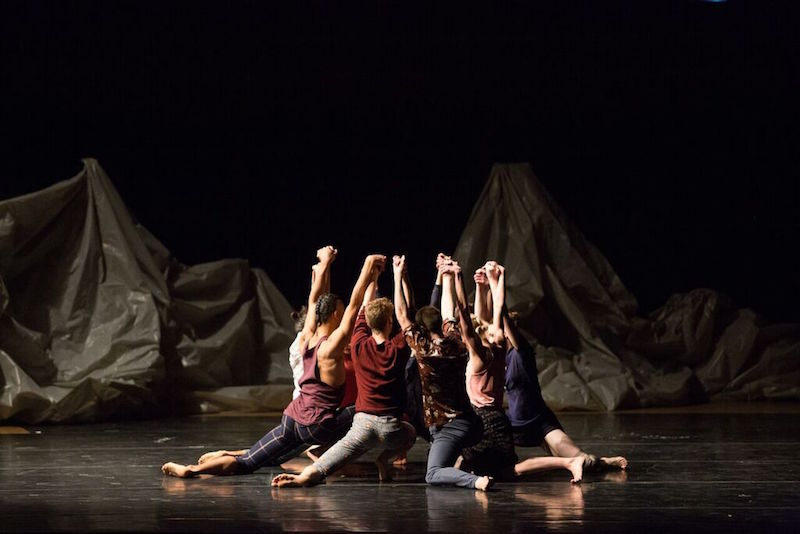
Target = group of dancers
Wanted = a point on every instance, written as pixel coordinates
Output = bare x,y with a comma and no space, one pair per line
440,375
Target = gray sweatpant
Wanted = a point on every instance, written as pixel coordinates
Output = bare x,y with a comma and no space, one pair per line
367,432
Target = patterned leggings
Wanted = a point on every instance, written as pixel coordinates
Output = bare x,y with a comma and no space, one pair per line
286,440
494,455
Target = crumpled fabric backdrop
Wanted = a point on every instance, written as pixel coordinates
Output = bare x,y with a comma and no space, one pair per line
99,321
593,350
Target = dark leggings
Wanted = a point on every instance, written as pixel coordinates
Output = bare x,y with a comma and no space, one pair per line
287,440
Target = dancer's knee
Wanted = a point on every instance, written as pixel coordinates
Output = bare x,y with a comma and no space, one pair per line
432,475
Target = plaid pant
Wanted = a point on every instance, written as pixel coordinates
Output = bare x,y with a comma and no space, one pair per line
289,438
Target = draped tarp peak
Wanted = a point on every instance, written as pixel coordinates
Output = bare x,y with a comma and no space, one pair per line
593,350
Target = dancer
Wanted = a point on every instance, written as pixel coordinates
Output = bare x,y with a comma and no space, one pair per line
442,359
414,406
379,360
296,356
485,379
532,421
485,373
312,418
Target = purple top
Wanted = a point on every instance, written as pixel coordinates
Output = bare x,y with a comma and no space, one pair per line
525,401
317,401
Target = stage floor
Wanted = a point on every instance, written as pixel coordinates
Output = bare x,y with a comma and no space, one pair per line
697,469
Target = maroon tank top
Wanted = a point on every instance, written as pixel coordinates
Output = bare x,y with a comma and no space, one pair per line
317,401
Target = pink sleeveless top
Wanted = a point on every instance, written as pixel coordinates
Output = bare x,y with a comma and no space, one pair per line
317,401
485,389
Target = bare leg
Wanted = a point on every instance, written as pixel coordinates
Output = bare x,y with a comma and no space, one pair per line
222,465
548,463
309,477
558,443
216,454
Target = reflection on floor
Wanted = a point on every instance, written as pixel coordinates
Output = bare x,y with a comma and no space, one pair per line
712,470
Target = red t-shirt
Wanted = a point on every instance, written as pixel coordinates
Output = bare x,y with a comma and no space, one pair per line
379,371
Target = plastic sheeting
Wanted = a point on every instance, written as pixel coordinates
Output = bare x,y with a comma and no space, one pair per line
593,351
98,320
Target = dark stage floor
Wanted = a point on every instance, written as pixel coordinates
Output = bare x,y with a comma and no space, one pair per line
708,469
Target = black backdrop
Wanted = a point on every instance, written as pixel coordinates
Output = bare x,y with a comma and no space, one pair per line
668,132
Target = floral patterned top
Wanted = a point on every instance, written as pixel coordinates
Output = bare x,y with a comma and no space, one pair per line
442,370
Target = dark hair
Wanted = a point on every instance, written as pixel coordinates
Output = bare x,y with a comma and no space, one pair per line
326,305
430,318
299,318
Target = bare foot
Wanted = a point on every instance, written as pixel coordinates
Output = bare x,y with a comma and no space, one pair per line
210,456
614,461
575,467
484,483
384,475
176,470
286,480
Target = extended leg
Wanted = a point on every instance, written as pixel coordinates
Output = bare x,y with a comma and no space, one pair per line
267,451
356,442
447,444
558,443
548,463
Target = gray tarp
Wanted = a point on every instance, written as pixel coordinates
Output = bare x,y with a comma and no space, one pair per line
97,320
594,351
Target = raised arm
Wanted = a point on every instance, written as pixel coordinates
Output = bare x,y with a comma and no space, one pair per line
483,298
448,298
436,293
496,275
370,293
468,334
373,265
400,279
408,290
320,284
